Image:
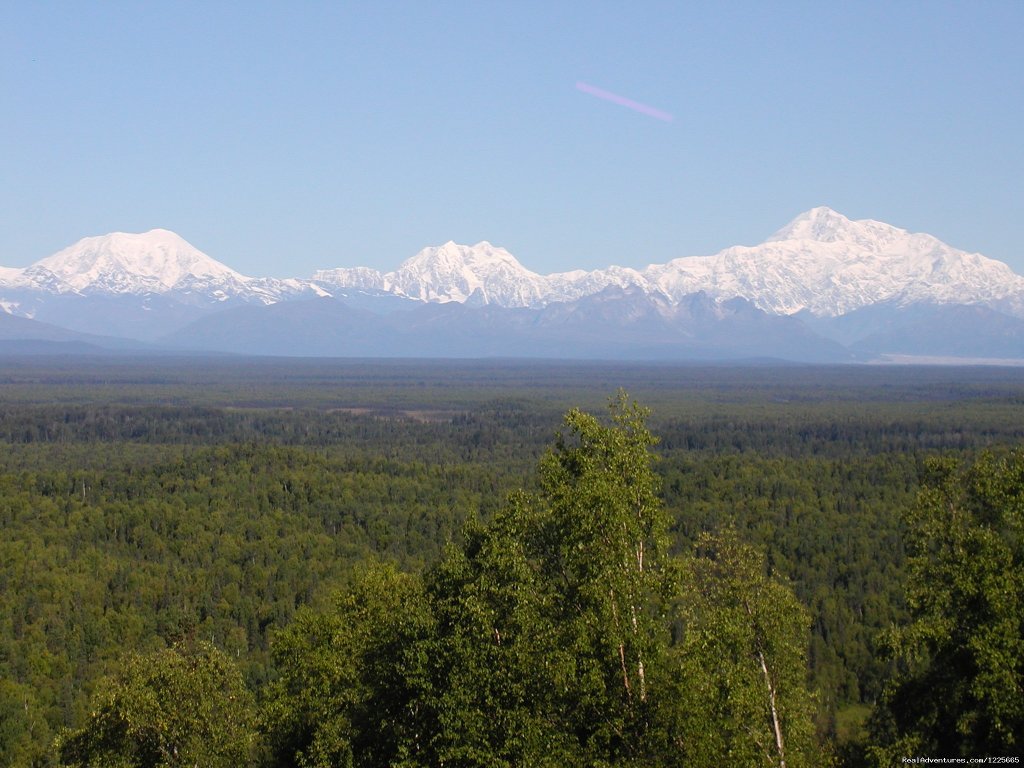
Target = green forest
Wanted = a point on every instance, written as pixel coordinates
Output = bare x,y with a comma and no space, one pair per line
327,563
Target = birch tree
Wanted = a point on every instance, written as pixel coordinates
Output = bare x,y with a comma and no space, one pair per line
740,667
494,662
600,547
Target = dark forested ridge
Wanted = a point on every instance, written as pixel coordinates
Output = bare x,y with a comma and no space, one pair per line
201,510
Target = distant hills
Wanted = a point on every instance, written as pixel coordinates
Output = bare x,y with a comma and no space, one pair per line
821,289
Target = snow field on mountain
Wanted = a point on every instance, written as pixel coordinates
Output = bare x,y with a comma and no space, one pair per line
820,262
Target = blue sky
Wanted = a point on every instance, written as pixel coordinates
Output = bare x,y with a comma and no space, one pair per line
284,137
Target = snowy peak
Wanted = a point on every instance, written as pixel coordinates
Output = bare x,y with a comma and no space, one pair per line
154,262
830,265
823,225
481,260
453,272
485,273
121,262
821,262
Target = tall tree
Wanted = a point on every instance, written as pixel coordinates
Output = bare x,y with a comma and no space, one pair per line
544,638
959,690
494,662
738,679
182,706
600,546
349,680
546,618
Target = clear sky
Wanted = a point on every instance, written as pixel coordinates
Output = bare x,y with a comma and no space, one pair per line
282,137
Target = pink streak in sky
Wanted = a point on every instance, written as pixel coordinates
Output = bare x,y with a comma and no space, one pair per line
622,101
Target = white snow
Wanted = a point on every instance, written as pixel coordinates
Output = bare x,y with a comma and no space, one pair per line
158,261
821,262
133,263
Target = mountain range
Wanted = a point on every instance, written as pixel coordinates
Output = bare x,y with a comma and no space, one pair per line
822,288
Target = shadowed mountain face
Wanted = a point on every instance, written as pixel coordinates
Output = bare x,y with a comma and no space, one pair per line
822,288
22,335
928,329
612,325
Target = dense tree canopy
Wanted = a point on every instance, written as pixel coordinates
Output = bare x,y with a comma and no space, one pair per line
130,528
183,706
960,687
547,638
741,686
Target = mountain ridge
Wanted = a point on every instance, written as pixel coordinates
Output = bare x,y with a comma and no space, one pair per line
791,293
820,262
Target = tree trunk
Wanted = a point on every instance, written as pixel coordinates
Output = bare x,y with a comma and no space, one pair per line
776,726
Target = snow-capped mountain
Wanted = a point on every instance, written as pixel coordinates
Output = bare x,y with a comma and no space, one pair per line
828,265
157,261
823,283
820,262
136,285
154,262
479,273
